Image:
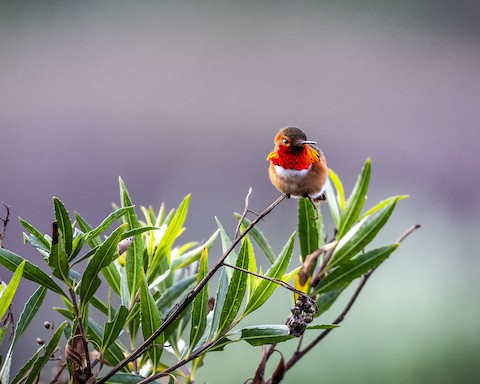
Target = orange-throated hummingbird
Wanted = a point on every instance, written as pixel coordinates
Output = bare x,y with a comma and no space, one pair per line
297,166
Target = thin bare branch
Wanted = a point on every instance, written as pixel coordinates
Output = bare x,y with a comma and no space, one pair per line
5,223
244,213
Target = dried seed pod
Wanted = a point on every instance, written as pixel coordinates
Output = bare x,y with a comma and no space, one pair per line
40,341
47,325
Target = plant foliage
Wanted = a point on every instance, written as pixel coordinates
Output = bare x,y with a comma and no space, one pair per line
151,293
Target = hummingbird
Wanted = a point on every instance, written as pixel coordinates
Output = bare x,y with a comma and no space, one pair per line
297,166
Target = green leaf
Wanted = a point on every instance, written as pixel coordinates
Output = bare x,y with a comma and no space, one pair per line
29,311
105,224
151,321
20,377
219,301
236,288
174,229
355,202
134,258
126,378
307,228
31,272
332,202
361,235
382,204
346,273
200,304
265,289
138,231
175,293
41,240
114,353
323,326
265,334
226,243
58,259
102,257
112,277
260,239
64,225
339,187
114,327
86,228
49,350
193,255
6,296
326,300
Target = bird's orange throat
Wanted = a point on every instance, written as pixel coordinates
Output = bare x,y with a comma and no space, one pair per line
292,159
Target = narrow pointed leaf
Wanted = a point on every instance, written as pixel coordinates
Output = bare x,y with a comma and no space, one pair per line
134,258
226,243
151,321
332,202
109,220
58,259
20,377
349,246
200,303
126,378
236,288
355,268
31,272
382,204
86,228
29,310
193,255
265,289
115,352
101,258
219,301
356,200
36,234
260,239
112,277
307,228
174,229
64,225
265,334
7,295
339,187
175,293
326,300
114,327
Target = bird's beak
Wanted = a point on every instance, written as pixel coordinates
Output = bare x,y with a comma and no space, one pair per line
308,142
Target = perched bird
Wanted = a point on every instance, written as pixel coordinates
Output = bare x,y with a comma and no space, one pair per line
297,167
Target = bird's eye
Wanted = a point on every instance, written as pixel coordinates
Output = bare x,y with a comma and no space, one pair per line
285,141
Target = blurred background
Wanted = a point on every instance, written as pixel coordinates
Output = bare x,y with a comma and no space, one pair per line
185,97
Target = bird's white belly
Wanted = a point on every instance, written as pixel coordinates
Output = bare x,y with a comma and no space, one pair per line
282,172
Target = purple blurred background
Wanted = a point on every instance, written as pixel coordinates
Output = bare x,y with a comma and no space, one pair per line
185,97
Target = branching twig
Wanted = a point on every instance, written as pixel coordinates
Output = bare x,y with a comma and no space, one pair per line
177,310
5,223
